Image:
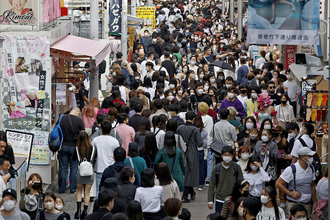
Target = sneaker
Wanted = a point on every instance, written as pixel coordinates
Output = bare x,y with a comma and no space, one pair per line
185,200
282,205
193,196
207,183
200,189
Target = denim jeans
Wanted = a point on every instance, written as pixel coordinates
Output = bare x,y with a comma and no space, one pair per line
201,168
218,206
65,157
209,164
98,181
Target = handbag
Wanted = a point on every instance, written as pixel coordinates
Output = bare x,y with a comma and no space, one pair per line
85,167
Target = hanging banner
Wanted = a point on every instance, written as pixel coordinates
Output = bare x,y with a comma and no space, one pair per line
15,12
26,84
290,50
115,17
293,22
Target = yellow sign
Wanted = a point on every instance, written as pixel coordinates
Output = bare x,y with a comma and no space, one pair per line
148,14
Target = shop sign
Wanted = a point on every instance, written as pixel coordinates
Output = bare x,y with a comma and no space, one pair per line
18,12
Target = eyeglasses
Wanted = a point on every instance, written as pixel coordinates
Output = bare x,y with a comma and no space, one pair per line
272,87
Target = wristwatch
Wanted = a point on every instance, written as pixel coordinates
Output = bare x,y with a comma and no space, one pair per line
291,193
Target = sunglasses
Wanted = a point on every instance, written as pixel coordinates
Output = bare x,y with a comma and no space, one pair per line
272,87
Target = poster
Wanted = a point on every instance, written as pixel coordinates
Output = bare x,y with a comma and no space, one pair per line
60,94
40,154
293,22
26,84
115,17
148,15
19,12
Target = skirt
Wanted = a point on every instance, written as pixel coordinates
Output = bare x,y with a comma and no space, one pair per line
85,180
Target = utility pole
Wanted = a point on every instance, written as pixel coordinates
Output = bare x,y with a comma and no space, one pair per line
231,10
94,35
124,29
133,7
149,3
240,17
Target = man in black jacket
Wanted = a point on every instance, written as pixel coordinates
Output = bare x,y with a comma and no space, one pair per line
135,120
106,203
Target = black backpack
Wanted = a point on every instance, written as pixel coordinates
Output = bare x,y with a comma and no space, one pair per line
316,161
116,175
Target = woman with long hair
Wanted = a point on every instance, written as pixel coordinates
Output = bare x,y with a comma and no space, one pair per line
134,211
113,112
149,150
149,195
232,63
238,213
89,114
84,150
173,157
269,209
164,179
144,129
240,189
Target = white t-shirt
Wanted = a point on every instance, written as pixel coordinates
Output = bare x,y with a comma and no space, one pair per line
269,214
242,99
105,145
150,198
297,144
2,186
293,89
304,180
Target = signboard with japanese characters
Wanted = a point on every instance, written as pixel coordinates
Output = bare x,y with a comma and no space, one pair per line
290,50
148,15
285,23
26,83
115,17
19,12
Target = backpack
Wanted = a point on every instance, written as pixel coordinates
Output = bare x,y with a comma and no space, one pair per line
55,138
217,171
116,174
316,161
85,167
294,170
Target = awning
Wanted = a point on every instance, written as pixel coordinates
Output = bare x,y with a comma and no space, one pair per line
299,71
80,49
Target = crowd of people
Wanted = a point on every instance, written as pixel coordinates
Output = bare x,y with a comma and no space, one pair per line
175,122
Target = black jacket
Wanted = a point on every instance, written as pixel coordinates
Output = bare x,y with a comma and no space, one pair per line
119,206
134,121
99,214
128,191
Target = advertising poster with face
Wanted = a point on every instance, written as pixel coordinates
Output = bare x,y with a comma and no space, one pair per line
18,12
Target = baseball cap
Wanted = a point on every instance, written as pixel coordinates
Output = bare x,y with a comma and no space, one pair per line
306,151
133,146
9,192
111,183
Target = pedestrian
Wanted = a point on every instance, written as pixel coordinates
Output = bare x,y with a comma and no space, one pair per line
89,114
134,211
106,201
134,160
59,205
173,208
128,189
164,179
11,211
125,131
50,212
149,150
144,129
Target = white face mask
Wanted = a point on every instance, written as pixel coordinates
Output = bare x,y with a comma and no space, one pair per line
228,85
59,207
201,76
249,125
154,40
301,130
114,73
200,91
310,160
204,40
146,34
253,167
212,80
268,127
264,91
264,199
137,78
279,94
206,88
172,86
303,218
245,156
289,77
264,138
291,135
227,159
258,76
174,60
184,60
49,205
231,95
240,211
184,70
221,77
192,63
9,205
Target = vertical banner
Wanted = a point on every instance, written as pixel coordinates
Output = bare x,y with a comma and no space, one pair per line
115,17
286,22
26,84
289,59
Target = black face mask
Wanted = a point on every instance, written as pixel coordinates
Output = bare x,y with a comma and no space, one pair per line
245,193
250,77
36,186
243,91
271,92
283,102
276,134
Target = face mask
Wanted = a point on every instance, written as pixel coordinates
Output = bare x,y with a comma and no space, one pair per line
268,127
243,91
114,73
180,92
249,125
227,159
245,156
292,135
201,76
283,102
146,35
9,204
258,76
204,40
253,167
254,95
240,211
212,80
221,45
264,91
231,95
276,134
245,193
279,94
154,40
221,77
172,86
234,38
206,88
264,199
200,91
36,185
228,85
289,77
253,137
136,78
264,138
184,60
59,207
310,160
184,70
214,42
275,76
174,60
301,130
192,63
303,218
49,205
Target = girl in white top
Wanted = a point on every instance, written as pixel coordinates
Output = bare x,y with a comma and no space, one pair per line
149,195
269,209
284,111
256,176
